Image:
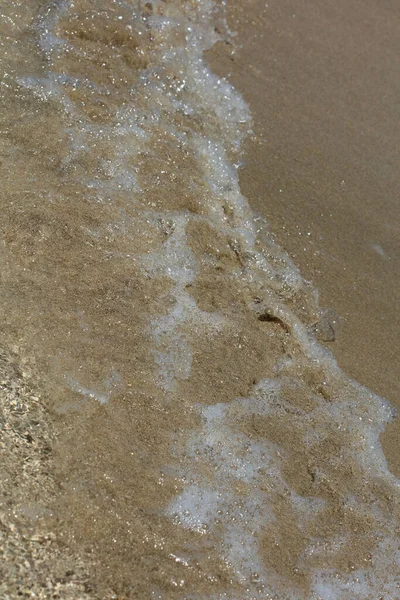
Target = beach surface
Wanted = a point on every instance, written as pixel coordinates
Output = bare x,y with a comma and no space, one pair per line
174,423
322,83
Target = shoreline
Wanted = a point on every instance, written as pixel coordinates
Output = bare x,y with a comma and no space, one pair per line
178,426
311,168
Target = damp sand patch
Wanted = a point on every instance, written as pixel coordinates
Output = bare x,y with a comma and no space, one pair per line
33,562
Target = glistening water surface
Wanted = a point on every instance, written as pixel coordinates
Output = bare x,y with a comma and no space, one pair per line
204,444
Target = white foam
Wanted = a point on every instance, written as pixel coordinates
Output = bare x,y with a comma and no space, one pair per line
178,263
102,393
219,456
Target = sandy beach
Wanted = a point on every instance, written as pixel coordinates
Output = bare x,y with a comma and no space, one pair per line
322,83
177,193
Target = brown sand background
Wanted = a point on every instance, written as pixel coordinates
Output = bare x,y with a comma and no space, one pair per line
86,484
323,83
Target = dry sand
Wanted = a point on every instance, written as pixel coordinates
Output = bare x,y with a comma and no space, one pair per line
322,83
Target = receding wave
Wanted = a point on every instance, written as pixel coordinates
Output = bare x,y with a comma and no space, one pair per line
190,436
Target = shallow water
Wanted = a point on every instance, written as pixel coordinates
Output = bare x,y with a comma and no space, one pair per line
207,445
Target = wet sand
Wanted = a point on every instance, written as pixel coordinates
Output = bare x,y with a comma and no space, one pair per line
322,83
179,431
